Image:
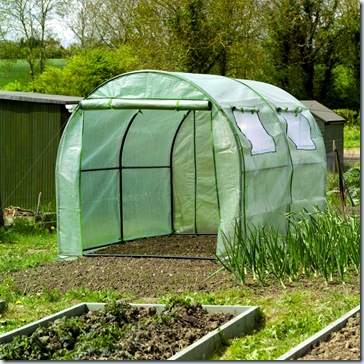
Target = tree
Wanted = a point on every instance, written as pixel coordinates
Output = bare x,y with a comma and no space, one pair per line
179,35
8,54
29,21
339,71
151,37
191,37
216,36
102,22
83,18
85,71
239,33
297,32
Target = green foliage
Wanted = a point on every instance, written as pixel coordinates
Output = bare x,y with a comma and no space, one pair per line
207,37
352,117
25,308
193,37
13,86
352,181
9,50
31,20
325,65
352,137
352,177
346,86
84,72
51,295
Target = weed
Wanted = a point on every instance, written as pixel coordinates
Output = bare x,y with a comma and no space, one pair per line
6,236
51,295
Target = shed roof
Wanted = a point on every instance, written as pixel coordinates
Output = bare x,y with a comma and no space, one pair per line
323,112
39,98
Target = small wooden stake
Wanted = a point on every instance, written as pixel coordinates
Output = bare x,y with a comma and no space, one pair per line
38,205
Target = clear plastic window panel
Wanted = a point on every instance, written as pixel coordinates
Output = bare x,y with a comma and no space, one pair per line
251,126
298,130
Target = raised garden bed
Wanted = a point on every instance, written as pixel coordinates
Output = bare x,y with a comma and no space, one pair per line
117,331
310,348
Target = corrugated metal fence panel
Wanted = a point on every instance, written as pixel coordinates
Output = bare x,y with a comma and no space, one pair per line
29,138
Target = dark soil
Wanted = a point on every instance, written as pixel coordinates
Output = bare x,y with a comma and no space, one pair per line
146,279
343,344
142,278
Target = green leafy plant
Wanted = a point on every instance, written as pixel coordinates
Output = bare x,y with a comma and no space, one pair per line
13,86
352,181
85,71
25,226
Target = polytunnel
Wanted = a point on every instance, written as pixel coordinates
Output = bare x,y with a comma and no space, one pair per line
152,153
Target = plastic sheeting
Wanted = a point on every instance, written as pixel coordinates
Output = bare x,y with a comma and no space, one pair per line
151,153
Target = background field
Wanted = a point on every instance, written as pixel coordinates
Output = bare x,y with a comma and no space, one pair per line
18,71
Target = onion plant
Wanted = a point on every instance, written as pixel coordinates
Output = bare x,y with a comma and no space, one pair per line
318,243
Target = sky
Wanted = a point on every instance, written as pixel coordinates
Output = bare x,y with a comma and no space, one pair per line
59,29
62,32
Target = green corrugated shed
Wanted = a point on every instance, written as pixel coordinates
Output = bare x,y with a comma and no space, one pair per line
31,125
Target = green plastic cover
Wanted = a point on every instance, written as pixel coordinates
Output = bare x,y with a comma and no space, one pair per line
152,153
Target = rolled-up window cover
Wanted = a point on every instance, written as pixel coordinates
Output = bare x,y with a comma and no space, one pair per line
251,109
100,104
296,109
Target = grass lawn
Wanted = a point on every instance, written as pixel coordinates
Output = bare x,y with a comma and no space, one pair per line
352,137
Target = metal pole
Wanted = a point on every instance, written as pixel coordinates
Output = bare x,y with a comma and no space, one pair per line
341,185
149,256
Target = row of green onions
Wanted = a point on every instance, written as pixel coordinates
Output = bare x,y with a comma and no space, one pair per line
318,243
